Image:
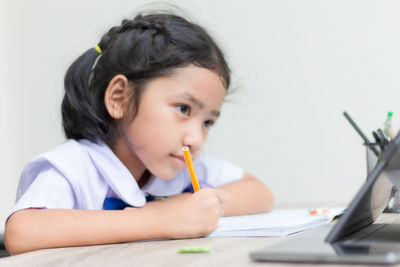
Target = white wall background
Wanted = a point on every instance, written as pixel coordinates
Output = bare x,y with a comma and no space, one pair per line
297,64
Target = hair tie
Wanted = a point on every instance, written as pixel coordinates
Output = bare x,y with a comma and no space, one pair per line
98,49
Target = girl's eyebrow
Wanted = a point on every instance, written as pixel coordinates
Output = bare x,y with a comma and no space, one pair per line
197,102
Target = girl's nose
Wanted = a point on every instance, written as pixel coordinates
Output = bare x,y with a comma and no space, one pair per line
194,139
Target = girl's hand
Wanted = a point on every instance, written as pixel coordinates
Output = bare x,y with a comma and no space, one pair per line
189,215
195,214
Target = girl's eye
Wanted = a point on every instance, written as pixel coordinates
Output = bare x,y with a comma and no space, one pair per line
208,123
185,109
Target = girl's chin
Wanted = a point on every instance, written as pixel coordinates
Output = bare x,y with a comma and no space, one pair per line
168,170
166,175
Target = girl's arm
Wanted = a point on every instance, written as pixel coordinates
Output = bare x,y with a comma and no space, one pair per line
247,196
33,229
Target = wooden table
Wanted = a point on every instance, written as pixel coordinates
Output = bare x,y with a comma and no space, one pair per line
225,251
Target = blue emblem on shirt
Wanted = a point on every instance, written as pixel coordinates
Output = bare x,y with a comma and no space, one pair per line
112,203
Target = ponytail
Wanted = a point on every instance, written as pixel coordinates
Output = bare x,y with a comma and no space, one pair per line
82,114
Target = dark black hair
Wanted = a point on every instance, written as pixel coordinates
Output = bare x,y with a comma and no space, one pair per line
147,47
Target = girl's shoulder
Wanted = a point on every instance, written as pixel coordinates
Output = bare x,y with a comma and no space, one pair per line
68,153
88,167
61,151
216,171
210,163
70,159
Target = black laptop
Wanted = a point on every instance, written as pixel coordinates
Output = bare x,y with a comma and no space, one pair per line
3,252
355,237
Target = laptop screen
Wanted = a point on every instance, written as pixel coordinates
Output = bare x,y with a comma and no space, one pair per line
373,196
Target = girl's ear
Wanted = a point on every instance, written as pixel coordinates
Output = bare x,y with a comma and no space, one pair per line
116,96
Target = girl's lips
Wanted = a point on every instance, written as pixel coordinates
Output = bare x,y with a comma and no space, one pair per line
179,160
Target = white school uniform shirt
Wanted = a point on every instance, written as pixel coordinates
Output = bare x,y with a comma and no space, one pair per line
81,174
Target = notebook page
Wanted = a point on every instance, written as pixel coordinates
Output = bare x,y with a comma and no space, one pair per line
278,222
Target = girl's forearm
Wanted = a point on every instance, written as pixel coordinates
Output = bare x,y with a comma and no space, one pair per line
191,215
33,229
187,216
247,196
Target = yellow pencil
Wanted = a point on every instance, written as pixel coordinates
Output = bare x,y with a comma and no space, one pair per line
189,163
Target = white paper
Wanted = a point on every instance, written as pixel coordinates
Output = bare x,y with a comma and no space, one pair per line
278,222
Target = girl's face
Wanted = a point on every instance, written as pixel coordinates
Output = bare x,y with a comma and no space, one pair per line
174,111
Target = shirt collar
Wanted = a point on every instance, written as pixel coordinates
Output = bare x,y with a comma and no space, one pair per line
114,172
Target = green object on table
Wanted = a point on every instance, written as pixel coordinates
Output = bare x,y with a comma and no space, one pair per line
194,250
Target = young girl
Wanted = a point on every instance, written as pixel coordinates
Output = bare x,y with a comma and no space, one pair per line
151,86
